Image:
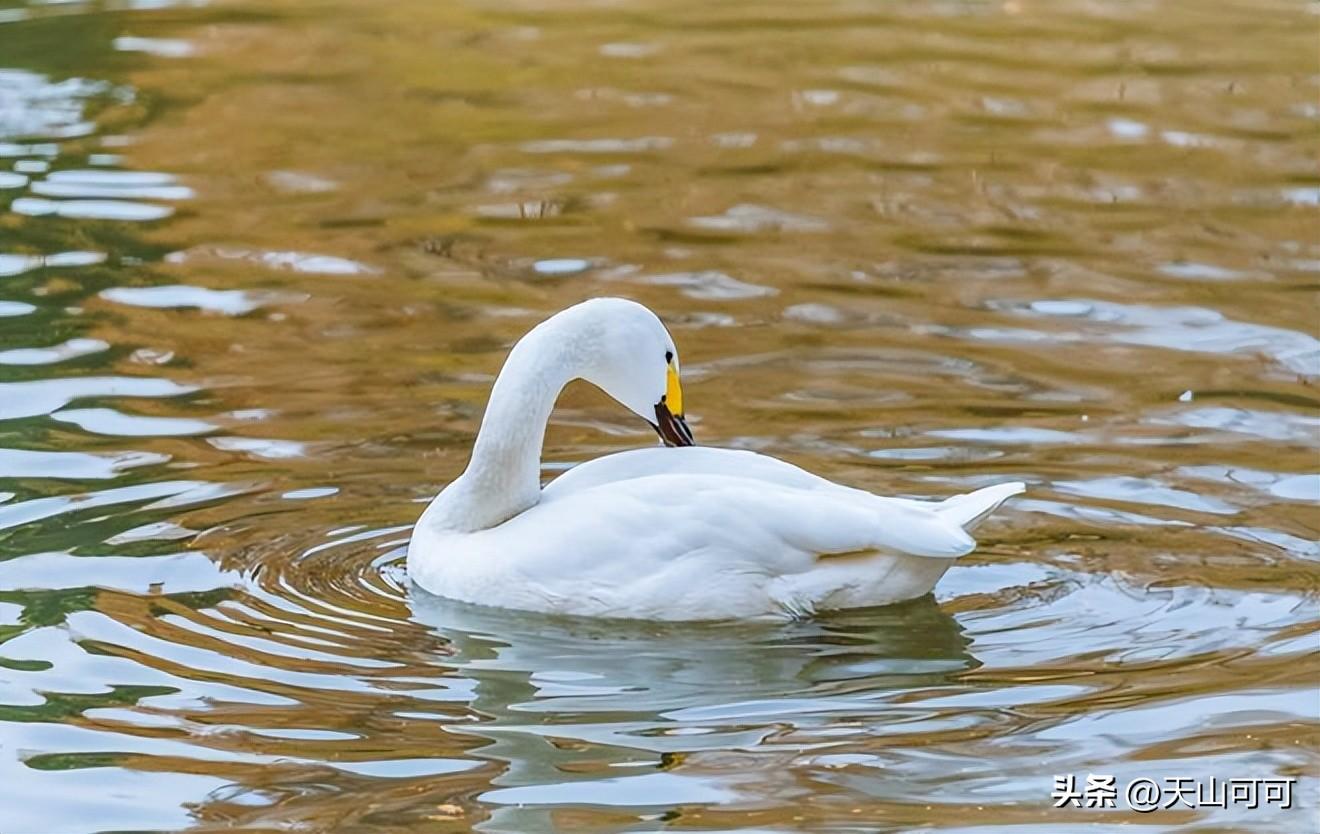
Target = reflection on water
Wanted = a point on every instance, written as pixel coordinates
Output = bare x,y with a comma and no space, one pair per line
258,266
629,703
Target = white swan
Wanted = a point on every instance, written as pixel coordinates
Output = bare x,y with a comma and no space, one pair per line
690,533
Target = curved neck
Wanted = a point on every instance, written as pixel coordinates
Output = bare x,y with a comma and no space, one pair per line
503,477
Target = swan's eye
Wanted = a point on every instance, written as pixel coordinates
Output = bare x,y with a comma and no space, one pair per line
669,356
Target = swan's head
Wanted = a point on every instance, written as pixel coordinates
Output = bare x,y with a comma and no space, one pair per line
625,350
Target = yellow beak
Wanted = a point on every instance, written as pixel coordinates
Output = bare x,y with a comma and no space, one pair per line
669,422
674,393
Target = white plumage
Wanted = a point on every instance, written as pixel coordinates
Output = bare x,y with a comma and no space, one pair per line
692,533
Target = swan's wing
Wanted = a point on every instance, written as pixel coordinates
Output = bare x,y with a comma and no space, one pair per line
684,460
682,513
701,460
965,511
685,546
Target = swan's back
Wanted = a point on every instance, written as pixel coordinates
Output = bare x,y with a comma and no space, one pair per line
687,460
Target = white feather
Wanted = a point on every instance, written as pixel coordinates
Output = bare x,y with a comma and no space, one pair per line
690,533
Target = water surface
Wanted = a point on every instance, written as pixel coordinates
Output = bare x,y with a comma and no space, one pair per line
260,262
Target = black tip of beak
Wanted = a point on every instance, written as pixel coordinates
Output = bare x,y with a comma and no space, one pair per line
671,427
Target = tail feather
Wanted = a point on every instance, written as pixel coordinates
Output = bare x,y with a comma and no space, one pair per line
968,510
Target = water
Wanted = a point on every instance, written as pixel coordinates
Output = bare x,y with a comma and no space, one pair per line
259,264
